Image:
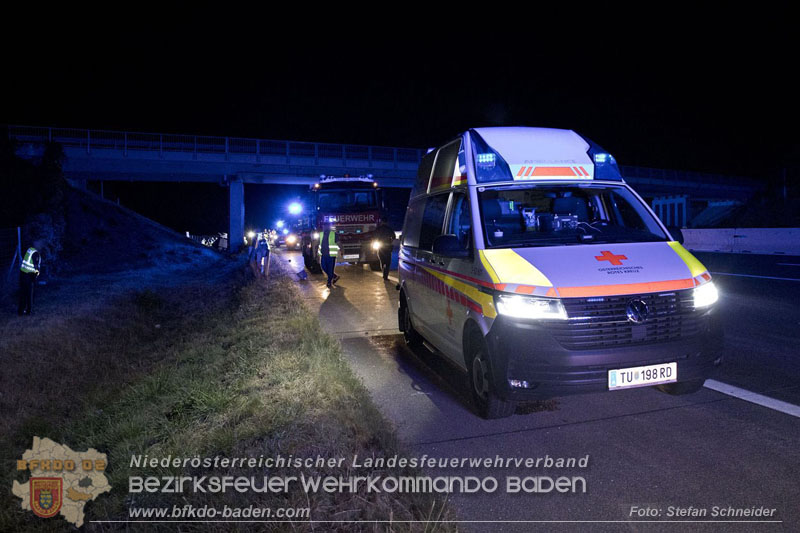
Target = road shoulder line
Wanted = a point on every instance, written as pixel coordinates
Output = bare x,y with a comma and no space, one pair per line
752,397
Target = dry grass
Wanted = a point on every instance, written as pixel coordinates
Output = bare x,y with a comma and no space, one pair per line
243,371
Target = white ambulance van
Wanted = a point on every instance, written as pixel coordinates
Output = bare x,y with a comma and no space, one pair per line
528,262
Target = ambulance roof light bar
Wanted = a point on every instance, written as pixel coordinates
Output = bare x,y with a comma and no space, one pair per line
605,166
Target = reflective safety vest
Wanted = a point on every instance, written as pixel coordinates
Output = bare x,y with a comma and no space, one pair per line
333,248
27,262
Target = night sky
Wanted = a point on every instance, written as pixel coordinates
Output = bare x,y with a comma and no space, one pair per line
693,91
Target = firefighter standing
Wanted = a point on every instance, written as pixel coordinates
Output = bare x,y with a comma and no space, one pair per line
28,272
384,234
328,250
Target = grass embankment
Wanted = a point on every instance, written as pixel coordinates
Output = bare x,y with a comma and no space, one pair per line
239,371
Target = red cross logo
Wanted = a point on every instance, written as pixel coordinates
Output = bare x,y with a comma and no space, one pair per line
615,260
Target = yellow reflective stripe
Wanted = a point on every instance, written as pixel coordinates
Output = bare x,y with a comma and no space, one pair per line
695,267
488,267
486,301
510,267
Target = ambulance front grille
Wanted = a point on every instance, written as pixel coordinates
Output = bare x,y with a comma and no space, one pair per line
603,322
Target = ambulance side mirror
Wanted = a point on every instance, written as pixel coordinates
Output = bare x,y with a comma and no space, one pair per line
449,246
676,233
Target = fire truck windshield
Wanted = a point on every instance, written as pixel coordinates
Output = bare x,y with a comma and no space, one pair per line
347,200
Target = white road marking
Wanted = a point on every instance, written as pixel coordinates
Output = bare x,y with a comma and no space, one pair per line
790,264
753,276
752,397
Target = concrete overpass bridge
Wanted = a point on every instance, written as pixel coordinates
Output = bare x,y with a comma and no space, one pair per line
101,155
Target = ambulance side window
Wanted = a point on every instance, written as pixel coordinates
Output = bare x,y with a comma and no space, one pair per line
423,174
461,220
413,223
432,220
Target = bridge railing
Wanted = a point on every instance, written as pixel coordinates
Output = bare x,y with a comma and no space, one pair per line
163,142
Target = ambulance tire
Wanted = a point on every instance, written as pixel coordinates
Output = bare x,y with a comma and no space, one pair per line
489,404
682,387
410,335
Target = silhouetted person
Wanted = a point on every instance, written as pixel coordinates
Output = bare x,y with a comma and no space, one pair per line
262,255
384,234
28,272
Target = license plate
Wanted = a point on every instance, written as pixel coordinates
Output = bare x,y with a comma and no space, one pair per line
351,256
642,376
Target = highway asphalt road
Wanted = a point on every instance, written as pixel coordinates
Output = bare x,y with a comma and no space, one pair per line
647,450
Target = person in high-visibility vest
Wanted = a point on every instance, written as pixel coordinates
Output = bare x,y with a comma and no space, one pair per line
28,272
328,250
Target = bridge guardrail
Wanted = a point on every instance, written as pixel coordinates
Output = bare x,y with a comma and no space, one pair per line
162,142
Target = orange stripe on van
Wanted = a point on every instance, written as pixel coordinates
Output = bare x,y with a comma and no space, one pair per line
625,288
553,171
525,289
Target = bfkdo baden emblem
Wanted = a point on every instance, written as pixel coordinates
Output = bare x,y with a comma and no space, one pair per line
46,495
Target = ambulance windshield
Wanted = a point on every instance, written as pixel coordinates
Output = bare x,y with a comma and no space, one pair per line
556,215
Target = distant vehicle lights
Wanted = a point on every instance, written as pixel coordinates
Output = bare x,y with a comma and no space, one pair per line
295,208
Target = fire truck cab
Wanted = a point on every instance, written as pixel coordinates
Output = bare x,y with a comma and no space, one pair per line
354,205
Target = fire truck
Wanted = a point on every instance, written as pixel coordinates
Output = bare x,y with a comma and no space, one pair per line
354,205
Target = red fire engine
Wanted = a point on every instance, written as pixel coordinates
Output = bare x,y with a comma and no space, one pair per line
354,205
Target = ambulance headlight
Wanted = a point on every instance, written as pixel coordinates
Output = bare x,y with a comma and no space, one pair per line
376,245
705,295
528,307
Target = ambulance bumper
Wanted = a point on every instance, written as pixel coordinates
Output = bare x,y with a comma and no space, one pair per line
526,351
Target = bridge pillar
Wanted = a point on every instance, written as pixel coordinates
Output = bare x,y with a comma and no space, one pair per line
236,226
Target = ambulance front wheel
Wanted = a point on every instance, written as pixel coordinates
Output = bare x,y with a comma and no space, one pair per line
489,404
